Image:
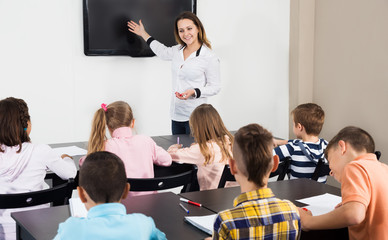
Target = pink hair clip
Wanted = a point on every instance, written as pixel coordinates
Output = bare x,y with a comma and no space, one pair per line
103,106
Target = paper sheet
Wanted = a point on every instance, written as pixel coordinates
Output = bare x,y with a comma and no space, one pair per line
71,151
77,208
205,223
321,204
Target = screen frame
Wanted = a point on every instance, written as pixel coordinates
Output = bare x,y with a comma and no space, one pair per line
111,52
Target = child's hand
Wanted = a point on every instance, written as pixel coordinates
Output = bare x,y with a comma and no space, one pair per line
305,216
174,147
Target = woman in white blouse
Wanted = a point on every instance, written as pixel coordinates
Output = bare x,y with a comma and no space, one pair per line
195,68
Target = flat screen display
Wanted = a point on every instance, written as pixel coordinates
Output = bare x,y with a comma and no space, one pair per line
105,25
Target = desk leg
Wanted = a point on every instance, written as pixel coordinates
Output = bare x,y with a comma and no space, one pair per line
23,234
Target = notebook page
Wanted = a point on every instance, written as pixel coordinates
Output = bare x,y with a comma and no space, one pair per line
204,223
77,208
321,204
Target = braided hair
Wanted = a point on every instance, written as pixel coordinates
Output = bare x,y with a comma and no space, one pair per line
14,118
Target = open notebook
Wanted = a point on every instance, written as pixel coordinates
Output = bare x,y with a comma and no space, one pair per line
77,208
204,223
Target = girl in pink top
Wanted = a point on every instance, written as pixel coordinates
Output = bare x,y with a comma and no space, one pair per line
212,148
139,153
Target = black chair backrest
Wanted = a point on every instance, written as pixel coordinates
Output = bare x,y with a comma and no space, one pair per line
322,169
165,178
226,176
378,155
281,172
283,169
58,195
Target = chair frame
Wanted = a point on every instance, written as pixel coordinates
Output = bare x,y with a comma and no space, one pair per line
58,195
183,175
281,172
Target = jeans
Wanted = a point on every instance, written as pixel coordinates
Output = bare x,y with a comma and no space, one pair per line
180,127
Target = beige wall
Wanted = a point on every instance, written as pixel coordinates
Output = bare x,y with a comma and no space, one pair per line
349,67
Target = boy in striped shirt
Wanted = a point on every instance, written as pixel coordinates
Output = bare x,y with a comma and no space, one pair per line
308,148
257,213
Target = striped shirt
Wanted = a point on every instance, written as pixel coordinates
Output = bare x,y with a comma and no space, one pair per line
301,165
258,215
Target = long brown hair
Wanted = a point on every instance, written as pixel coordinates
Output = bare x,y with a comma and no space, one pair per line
201,30
14,118
117,114
206,124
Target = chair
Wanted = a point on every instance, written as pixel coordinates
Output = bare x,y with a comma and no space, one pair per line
283,169
58,195
226,176
167,177
322,169
281,172
378,155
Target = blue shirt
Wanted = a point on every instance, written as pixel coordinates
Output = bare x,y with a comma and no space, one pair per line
109,221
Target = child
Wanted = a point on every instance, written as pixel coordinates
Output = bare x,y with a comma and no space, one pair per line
308,148
257,214
102,185
364,190
23,164
139,153
212,147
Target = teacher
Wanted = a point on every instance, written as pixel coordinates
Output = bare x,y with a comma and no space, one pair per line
195,68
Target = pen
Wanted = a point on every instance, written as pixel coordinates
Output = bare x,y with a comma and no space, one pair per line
187,211
191,202
177,140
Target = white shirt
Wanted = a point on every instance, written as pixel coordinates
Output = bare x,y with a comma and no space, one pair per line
25,172
202,72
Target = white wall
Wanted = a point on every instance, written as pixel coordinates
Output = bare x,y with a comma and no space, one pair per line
42,61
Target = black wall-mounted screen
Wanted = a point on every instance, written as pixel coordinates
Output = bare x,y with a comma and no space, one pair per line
105,25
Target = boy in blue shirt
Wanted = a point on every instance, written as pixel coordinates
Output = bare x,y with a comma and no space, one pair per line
102,185
308,148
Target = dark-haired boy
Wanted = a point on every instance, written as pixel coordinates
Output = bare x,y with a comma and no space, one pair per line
257,214
308,148
102,184
364,208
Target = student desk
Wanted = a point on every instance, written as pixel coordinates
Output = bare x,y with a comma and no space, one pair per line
221,199
164,208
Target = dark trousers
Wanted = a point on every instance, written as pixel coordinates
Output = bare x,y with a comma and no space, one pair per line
180,127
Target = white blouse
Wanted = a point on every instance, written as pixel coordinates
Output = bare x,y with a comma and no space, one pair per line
200,70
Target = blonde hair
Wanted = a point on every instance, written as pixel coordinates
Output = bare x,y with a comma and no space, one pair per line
201,30
206,124
117,114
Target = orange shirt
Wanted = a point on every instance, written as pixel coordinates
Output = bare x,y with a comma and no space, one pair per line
364,180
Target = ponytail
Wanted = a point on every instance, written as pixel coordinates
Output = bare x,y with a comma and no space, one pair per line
97,135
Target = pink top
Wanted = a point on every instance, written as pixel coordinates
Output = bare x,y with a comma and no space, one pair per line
139,153
208,176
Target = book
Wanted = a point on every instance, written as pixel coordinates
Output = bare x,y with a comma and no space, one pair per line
204,223
77,208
